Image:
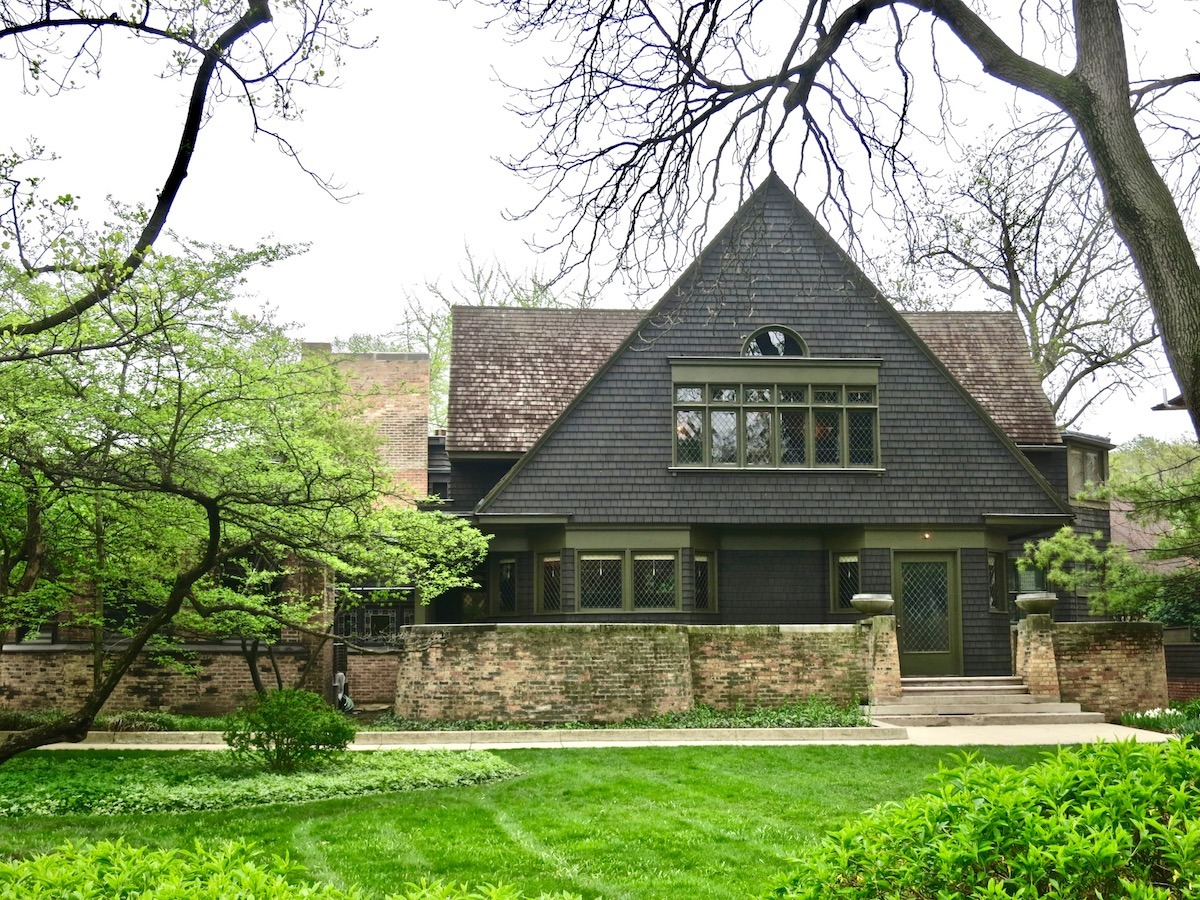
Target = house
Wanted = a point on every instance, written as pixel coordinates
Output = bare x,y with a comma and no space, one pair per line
768,440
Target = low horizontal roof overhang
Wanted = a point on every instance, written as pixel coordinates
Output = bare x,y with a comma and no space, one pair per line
1016,526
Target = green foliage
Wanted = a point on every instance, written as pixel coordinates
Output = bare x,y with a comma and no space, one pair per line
1105,820
233,869
1176,603
1182,719
1151,459
1083,564
815,712
119,870
288,729
186,782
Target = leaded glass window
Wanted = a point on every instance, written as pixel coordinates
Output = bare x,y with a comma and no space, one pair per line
654,581
704,584
506,586
601,580
776,425
846,580
551,583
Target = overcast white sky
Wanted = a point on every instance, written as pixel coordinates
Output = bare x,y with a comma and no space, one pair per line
412,131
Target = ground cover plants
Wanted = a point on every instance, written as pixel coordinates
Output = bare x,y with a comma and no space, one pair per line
1182,719
1108,820
176,782
624,823
815,712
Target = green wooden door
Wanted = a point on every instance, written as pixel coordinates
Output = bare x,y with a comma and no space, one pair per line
928,613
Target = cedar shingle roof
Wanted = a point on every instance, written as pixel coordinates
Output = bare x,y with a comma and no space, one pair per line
513,370
988,354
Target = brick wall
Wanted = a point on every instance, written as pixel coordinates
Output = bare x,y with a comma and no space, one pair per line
394,389
764,665
58,677
371,678
1111,667
1183,671
605,672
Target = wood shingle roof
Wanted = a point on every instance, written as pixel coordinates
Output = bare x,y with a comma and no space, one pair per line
514,370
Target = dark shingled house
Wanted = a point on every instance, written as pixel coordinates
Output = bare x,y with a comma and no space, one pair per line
770,439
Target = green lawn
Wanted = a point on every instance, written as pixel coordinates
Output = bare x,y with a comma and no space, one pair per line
690,822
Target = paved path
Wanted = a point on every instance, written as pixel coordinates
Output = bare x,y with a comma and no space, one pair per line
950,736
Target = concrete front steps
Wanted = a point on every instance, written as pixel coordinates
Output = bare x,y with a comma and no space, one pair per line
975,701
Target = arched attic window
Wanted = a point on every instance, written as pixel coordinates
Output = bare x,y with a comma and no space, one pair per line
774,340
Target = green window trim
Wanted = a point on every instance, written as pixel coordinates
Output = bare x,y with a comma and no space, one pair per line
845,580
628,581
775,425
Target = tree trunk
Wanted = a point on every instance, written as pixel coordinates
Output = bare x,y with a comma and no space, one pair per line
1142,207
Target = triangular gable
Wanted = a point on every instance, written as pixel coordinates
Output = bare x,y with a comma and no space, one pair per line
772,264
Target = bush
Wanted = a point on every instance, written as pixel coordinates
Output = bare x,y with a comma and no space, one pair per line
1182,719
1107,820
232,870
288,729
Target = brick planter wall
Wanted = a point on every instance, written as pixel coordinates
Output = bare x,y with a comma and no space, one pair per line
371,678
606,673
1111,667
59,677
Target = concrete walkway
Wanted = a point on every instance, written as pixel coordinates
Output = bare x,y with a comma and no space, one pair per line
949,736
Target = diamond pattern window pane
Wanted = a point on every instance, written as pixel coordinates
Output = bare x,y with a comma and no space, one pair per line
827,395
759,450
703,569
653,581
860,395
759,394
847,579
689,437
793,395
507,571
600,581
926,602
689,394
722,394
826,436
860,434
791,437
723,436
551,583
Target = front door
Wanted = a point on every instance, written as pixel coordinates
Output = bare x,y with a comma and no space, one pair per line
928,613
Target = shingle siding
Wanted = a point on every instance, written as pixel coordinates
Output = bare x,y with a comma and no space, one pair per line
985,634
772,586
944,464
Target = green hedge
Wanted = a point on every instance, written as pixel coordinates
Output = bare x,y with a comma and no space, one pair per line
109,871
1113,820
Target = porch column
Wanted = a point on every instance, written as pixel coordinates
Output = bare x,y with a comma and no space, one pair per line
1036,662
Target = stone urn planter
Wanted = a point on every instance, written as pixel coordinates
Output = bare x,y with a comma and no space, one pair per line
873,604
1038,603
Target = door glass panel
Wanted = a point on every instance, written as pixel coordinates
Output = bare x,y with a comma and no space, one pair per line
926,600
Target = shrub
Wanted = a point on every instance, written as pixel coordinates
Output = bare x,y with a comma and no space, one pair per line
1107,820
288,729
232,870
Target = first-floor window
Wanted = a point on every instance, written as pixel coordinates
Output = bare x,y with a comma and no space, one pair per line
506,586
601,580
997,590
704,599
846,580
551,595
629,581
